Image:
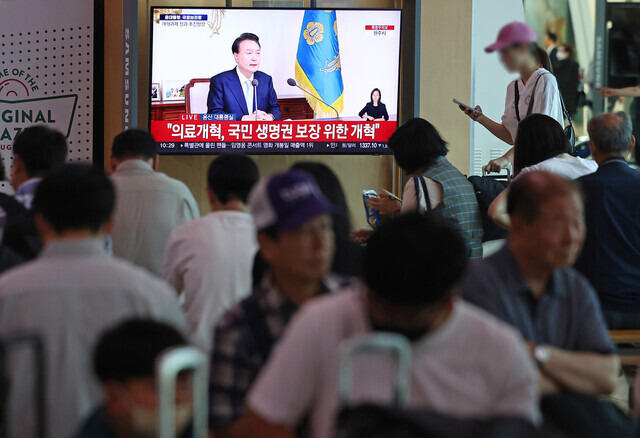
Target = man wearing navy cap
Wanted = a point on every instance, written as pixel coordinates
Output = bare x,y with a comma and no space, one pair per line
296,240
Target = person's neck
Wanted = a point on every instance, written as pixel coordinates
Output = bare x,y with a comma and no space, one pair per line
70,236
527,72
297,290
246,74
229,206
535,274
601,158
375,103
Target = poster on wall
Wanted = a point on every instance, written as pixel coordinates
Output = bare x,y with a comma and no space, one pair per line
46,73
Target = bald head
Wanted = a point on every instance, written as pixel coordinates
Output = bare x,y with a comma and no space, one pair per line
611,134
529,191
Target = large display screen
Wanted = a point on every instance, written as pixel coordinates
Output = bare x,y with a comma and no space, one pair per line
269,81
624,41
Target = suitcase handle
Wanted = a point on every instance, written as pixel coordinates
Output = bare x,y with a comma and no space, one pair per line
395,345
7,343
485,173
168,366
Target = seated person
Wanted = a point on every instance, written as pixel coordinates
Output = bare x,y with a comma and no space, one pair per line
540,145
296,240
125,362
465,363
437,185
375,110
610,258
529,284
231,92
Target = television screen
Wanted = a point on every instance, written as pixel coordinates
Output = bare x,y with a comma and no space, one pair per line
624,41
269,81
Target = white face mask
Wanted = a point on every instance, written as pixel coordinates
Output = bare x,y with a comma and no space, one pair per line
561,55
144,421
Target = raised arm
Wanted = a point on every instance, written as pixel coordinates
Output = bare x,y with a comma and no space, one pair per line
624,92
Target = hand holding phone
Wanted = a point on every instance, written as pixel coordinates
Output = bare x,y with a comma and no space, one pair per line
473,113
464,105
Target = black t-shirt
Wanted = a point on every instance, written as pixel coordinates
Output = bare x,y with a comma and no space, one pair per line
377,112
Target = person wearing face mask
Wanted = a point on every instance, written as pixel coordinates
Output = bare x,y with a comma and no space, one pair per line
465,363
232,92
536,91
567,72
124,362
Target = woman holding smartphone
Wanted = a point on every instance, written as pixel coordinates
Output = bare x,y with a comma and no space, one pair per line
535,92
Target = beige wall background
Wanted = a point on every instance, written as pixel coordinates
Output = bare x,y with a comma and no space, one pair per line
445,35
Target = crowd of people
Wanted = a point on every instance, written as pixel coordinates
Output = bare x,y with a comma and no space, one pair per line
111,271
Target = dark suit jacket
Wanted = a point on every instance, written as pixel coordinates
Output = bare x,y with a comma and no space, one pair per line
611,255
568,76
226,95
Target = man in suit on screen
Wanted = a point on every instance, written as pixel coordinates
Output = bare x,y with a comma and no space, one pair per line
232,92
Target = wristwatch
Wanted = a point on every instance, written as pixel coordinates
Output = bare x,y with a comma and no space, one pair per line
541,354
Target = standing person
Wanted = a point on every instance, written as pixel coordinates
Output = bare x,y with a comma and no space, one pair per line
296,240
610,258
69,295
550,41
567,72
232,92
536,91
436,184
375,110
149,203
209,260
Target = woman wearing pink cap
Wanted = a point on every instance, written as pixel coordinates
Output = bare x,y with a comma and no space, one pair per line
536,91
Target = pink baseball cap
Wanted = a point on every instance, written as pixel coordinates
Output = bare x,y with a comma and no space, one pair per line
513,33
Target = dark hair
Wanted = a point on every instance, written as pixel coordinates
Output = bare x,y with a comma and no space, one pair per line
41,149
330,187
379,94
552,36
75,196
235,47
130,349
417,145
414,260
134,143
539,138
231,177
542,57
567,48
611,133
529,191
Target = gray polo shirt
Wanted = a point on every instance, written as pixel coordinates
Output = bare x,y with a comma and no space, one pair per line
70,295
568,316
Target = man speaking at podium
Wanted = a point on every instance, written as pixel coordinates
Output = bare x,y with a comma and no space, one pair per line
232,92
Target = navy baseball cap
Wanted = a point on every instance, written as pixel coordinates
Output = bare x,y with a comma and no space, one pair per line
286,201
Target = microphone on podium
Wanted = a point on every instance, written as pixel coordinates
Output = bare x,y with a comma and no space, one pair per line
255,83
293,83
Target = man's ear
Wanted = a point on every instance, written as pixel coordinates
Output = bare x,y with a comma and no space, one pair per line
45,230
114,163
592,148
633,143
155,161
107,228
213,199
267,247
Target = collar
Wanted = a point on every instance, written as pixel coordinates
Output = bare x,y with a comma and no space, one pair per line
532,79
512,275
74,248
134,165
29,185
276,299
611,160
242,77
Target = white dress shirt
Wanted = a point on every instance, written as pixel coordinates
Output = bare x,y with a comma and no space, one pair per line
547,100
210,260
149,206
70,295
567,167
247,88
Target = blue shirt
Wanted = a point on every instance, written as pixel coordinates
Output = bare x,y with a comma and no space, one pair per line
568,315
610,258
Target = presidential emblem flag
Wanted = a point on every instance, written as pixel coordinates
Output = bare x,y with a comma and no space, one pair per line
318,67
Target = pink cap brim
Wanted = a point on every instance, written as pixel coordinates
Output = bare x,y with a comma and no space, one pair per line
498,45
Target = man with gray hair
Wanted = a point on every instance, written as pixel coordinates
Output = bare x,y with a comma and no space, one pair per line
610,258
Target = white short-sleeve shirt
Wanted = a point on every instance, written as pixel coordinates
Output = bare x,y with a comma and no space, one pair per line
546,101
567,167
472,367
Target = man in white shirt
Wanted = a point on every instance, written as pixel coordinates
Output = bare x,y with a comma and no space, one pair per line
209,259
68,296
465,363
149,204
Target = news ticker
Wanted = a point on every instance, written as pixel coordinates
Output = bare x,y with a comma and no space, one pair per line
193,135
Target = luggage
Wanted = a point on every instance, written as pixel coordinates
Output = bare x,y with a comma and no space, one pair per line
169,365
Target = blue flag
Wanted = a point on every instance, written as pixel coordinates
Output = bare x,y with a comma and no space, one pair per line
318,61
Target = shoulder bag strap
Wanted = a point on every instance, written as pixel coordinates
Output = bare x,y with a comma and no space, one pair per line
517,99
421,184
533,95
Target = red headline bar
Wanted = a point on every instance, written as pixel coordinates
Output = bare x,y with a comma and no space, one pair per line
291,131
379,27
